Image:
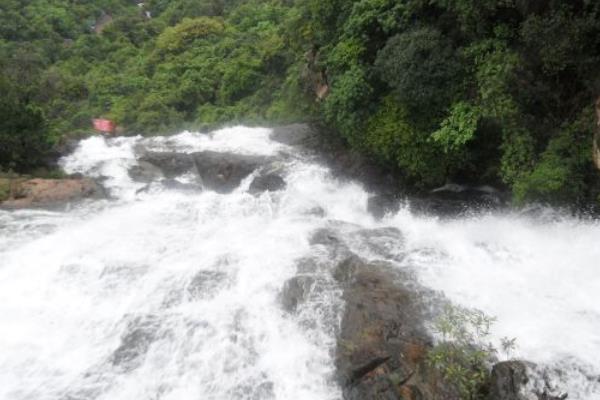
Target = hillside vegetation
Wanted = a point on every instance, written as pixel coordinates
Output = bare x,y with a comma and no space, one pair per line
478,91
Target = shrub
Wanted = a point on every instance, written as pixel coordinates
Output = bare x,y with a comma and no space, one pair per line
421,67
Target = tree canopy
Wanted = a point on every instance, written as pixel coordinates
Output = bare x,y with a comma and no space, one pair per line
494,91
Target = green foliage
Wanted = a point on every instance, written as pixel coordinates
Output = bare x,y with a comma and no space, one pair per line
464,354
182,35
564,167
345,107
392,138
469,90
458,128
421,67
24,137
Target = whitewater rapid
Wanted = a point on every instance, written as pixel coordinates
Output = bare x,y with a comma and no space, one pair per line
158,293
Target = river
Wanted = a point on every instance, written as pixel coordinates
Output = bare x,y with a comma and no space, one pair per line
165,293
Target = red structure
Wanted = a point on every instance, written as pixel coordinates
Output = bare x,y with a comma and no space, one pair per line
104,125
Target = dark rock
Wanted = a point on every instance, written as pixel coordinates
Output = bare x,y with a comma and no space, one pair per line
169,163
223,172
140,333
316,211
346,270
295,291
380,205
325,237
331,242
267,183
145,172
454,199
507,381
383,242
383,342
206,283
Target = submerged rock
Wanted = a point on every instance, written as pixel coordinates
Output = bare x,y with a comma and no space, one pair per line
380,205
145,172
223,172
270,182
206,283
139,335
48,192
170,164
295,291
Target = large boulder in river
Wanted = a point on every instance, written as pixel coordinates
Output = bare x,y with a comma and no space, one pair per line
223,172
170,164
47,192
508,380
383,342
295,291
511,380
270,182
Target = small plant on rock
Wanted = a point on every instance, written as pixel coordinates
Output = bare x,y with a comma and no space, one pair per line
464,354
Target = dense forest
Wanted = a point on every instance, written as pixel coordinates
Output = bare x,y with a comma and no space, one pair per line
479,91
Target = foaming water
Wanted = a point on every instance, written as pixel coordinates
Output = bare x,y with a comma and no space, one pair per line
163,294
538,277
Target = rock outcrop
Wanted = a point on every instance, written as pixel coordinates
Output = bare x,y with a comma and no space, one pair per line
221,172
383,342
512,380
169,164
270,182
508,381
48,192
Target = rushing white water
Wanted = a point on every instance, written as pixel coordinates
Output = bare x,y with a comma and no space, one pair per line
167,294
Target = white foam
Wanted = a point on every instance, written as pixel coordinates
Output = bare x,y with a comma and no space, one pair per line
74,284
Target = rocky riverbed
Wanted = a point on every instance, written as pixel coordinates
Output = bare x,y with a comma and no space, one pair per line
257,243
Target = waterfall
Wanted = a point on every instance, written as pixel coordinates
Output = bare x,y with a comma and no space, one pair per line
163,292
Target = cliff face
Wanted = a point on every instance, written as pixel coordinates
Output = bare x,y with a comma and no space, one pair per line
597,136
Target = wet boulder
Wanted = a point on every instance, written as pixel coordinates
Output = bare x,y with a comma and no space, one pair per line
49,192
382,344
295,291
380,205
223,172
139,335
145,172
170,164
510,380
270,182
325,237
507,381
386,243
206,284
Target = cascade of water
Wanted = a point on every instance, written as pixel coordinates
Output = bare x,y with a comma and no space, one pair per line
161,293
